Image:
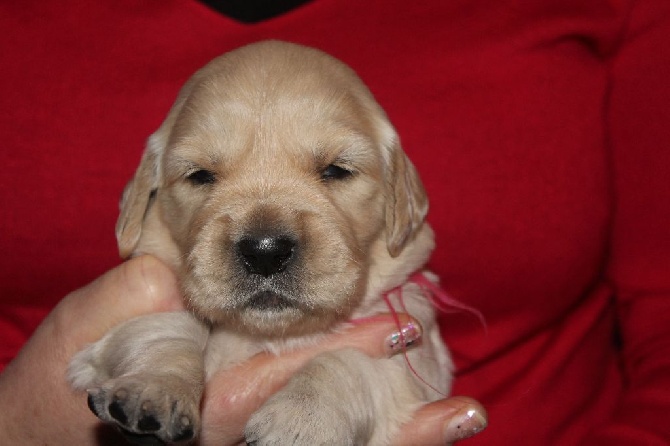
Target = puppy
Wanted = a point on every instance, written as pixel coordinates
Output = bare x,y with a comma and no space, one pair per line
278,191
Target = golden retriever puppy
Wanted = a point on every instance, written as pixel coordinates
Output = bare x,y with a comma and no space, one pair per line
278,191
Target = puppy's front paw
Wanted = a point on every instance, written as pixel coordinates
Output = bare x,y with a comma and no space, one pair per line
298,418
327,402
147,409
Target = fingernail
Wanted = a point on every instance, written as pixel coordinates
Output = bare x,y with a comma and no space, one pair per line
400,341
466,423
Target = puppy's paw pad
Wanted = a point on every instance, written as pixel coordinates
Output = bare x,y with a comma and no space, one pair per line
146,411
117,412
148,423
186,433
142,439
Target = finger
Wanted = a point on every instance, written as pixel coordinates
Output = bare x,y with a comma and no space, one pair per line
443,422
139,286
233,395
383,335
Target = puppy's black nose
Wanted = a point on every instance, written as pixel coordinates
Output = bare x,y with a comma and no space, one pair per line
266,255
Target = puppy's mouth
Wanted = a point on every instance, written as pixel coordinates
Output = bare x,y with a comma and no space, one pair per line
267,301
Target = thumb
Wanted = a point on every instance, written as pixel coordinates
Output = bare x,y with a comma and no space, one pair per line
139,286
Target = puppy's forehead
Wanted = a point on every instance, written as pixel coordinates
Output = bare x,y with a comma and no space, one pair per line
276,95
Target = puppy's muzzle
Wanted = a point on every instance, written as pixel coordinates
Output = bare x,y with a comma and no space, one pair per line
266,255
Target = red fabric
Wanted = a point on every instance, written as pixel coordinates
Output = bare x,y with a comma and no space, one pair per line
540,129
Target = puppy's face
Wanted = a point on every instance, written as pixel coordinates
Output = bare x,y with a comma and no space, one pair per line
273,176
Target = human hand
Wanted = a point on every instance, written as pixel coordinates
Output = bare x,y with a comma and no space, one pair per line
36,401
444,422
232,395
39,406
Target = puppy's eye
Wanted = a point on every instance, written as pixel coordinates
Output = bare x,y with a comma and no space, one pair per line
201,177
334,172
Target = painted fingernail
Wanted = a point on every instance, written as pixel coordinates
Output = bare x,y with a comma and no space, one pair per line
466,423
400,341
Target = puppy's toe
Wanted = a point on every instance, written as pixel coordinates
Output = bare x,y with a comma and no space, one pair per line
147,411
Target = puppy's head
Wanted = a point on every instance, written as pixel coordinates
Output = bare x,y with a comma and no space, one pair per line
267,187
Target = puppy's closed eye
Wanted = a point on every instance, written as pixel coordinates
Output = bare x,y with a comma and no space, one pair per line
335,172
201,177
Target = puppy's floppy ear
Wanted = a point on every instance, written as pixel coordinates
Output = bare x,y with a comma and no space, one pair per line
406,200
140,192
137,198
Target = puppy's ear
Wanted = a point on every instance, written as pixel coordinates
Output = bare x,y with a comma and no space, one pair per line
140,192
406,201
137,198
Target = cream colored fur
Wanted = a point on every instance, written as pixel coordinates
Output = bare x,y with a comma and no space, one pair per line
248,150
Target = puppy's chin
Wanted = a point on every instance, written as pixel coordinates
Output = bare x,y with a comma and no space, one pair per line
269,302
279,319
270,314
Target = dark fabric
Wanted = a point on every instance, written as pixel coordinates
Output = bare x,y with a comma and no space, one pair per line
252,11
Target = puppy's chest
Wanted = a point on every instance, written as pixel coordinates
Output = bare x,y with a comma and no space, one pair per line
225,348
